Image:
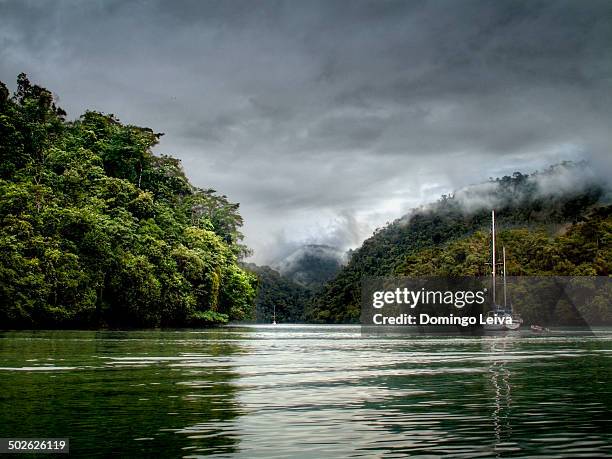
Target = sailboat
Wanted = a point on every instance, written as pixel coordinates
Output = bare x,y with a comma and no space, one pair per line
504,317
274,315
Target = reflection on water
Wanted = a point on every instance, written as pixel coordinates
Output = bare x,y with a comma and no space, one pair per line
308,391
500,382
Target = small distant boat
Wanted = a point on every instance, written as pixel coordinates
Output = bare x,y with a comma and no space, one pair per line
274,315
538,329
504,317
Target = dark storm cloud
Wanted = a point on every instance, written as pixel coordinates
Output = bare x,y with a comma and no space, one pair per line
328,118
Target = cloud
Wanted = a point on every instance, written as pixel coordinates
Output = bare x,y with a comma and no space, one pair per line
555,181
305,112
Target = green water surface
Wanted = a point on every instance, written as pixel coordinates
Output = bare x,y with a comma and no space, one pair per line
308,391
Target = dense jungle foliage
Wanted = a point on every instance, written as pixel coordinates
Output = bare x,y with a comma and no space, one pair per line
582,249
560,232
96,230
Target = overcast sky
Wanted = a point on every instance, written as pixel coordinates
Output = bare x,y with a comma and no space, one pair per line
327,119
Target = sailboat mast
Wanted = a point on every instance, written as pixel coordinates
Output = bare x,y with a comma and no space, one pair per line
493,260
504,257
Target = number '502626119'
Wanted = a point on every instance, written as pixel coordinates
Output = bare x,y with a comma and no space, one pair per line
31,445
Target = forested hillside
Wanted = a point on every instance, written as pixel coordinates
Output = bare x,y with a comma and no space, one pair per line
537,207
582,249
96,230
289,286
280,294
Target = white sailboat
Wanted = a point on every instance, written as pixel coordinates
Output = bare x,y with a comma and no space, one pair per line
274,315
502,317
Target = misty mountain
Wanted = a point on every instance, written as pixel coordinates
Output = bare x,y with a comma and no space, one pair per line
288,286
549,201
311,265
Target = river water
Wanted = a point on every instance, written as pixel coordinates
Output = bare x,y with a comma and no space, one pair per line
308,391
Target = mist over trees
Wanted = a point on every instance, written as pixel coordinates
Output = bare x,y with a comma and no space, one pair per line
551,223
96,230
287,287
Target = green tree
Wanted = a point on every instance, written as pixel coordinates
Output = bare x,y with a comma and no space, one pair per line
97,230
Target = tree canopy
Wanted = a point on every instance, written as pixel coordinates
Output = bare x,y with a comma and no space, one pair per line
97,230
